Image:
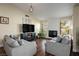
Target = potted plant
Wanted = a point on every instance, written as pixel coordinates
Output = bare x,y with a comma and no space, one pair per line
41,34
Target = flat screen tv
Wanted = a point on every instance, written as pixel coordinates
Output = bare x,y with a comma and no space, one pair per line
28,28
52,33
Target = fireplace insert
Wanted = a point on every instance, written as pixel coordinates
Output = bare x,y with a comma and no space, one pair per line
52,33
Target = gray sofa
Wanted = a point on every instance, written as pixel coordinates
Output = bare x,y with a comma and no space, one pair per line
27,49
58,49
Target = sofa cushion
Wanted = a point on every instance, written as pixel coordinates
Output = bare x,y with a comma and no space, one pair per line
11,42
65,40
14,44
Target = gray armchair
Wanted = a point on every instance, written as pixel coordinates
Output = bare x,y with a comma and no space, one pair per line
58,49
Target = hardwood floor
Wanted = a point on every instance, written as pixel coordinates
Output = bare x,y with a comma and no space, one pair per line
75,54
2,51
40,53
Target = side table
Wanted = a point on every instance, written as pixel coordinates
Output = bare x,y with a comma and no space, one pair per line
40,47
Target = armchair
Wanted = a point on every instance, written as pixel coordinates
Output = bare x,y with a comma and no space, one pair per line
58,49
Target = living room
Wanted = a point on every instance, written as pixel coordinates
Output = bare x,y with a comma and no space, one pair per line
48,21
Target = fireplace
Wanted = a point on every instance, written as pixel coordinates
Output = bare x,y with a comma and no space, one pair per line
52,33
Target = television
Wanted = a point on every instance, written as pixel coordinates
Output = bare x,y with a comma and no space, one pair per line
28,28
52,33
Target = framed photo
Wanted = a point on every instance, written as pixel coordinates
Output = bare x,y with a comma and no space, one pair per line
4,20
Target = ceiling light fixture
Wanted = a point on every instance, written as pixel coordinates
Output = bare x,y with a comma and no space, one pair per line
31,9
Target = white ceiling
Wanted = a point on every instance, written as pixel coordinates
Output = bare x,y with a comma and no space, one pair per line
43,11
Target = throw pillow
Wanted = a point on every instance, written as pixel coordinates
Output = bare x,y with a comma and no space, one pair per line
14,44
21,42
59,39
11,42
6,37
13,37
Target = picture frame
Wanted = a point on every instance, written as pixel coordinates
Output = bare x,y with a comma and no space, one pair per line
4,20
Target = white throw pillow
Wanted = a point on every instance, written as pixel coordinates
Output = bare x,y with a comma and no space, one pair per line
21,42
14,44
6,37
11,42
59,39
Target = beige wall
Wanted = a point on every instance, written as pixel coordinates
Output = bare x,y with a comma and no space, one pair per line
15,18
